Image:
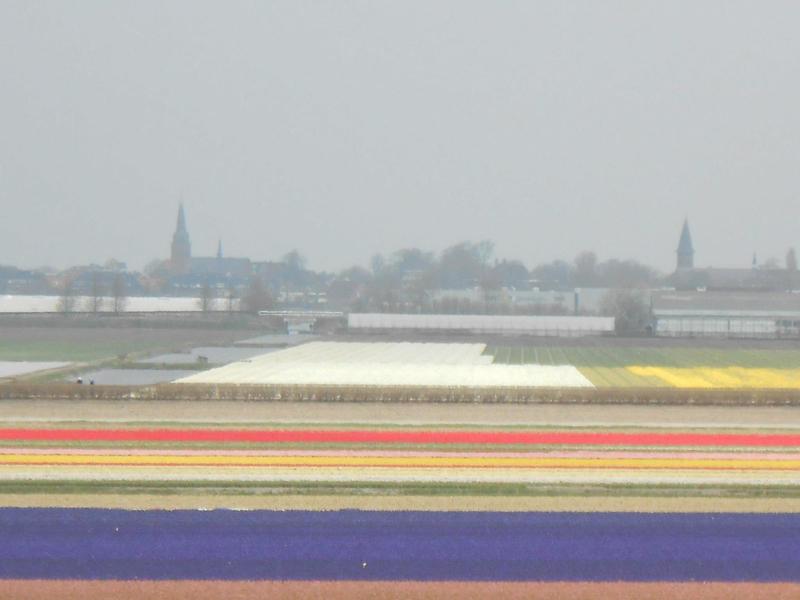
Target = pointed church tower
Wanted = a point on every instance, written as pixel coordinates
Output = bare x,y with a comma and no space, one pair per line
685,248
219,248
181,246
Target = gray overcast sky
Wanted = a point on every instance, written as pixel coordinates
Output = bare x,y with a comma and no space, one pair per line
346,128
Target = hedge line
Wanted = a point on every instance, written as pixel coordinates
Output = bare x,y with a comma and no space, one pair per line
330,393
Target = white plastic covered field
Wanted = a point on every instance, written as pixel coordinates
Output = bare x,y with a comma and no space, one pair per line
389,364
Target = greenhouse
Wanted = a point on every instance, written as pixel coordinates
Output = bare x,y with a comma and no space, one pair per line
540,325
727,314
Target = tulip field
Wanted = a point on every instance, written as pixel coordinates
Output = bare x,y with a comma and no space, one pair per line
389,364
679,367
235,498
475,366
390,510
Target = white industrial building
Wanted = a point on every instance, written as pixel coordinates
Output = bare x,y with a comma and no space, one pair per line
726,314
572,301
562,326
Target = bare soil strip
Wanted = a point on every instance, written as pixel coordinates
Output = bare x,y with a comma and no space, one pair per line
393,503
397,476
237,590
777,417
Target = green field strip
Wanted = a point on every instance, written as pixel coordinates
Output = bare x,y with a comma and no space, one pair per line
591,356
518,356
47,350
511,355
529,355
618,377
371,488
580,356
745,358
603,357
372,426
716,358
508,352
607,356
595,376
550,358
614,376
562,357
588,356
606,376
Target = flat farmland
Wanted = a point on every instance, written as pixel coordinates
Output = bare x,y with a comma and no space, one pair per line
314,490
83,344
50,457
478,365
668,366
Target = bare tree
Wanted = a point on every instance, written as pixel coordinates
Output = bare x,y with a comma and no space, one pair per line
630,311
771,263
791,260
377,264
585,269
230,298
294,261
94,303
119,293
156,275
256,297
791,269
67,299
206,298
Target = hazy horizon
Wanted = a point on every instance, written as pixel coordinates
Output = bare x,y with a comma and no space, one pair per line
349,128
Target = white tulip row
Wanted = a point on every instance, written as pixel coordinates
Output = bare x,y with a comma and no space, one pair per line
381,352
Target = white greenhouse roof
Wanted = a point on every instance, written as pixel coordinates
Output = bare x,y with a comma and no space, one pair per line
726,314
482,323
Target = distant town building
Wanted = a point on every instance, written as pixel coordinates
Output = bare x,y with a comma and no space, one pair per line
181,246
685,248
189,271
751,302
20,281
540,325
743,314
752,278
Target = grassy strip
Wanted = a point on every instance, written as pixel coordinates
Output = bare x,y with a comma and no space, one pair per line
71,371
149,366
396,489
73,351
336,426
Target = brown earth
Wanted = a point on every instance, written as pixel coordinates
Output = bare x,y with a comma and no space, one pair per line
775,417
236,590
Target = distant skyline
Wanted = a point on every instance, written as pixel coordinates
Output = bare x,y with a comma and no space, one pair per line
348,128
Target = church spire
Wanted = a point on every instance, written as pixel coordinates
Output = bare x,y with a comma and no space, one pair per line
181,245
219,248
685,248
181,225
